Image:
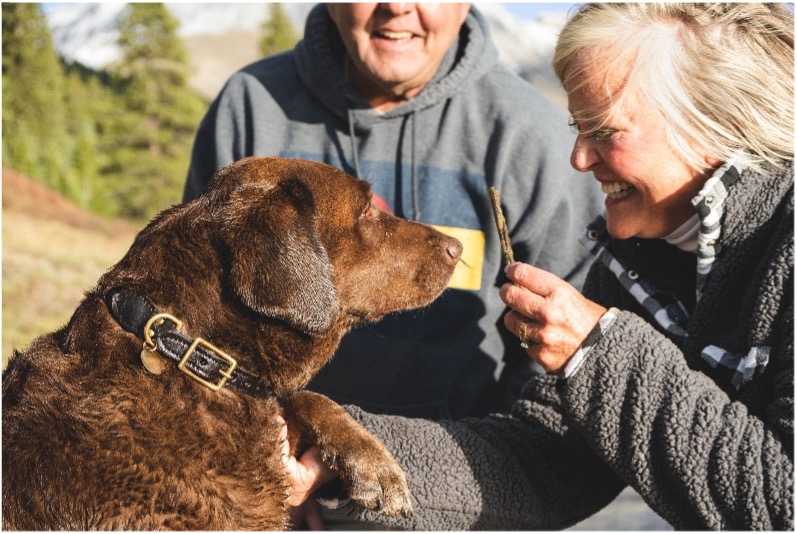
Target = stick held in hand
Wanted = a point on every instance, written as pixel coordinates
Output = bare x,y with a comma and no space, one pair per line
500,223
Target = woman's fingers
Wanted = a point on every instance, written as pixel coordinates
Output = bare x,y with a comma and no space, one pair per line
304,475
549,316
534,279
523,327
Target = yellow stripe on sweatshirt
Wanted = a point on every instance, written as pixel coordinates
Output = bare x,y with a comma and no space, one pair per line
468,272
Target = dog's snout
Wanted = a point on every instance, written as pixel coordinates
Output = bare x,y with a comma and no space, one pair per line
453,249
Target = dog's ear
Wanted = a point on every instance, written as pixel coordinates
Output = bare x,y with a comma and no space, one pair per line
279,266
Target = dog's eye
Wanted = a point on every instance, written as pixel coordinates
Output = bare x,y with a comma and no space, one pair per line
371,213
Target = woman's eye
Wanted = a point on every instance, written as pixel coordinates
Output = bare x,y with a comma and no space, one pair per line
604,134
574,127
600,134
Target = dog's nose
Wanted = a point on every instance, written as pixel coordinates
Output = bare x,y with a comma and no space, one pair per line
453,249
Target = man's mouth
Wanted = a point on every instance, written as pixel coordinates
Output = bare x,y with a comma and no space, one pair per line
616,190
394,36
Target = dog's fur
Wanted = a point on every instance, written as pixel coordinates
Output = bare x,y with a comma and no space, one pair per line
273,264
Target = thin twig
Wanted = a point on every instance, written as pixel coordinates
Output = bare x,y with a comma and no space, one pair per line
500,223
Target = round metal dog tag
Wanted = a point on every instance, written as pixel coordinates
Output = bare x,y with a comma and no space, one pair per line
153,362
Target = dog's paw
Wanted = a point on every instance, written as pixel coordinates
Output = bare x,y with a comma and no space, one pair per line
371,475
375,481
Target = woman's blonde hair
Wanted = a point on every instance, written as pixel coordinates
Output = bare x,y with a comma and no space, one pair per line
721,74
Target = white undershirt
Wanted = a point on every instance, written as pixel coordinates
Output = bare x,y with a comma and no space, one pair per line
685,237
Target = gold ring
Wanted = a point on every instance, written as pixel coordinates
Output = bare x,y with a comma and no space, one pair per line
524,340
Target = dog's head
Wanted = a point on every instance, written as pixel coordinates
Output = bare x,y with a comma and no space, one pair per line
308,246
281,257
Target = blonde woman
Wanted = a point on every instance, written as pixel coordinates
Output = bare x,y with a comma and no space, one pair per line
673,371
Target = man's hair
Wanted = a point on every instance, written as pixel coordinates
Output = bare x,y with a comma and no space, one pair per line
721,74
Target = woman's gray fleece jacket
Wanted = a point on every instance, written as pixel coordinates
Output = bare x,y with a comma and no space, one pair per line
688,396
433,158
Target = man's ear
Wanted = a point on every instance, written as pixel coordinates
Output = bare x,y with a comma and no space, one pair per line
279,267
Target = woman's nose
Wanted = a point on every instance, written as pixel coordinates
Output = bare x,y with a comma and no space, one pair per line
584,155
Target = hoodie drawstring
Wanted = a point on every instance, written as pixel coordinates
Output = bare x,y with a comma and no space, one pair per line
416,211
416,216
354,146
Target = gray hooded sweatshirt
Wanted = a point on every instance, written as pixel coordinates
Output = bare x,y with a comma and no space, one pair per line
432,159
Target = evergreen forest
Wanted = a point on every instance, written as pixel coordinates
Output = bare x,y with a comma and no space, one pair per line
116,142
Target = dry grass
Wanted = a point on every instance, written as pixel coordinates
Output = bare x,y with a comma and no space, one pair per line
52,253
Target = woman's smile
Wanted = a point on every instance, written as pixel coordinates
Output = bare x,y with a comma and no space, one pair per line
616,190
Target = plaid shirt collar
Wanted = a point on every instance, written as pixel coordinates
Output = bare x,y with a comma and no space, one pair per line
668,312
731,368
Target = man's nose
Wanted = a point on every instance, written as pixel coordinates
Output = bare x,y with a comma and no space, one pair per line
397,8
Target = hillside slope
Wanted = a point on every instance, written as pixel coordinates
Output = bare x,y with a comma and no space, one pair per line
53,252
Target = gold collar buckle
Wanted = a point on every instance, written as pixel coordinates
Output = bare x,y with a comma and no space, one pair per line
150,348
225,375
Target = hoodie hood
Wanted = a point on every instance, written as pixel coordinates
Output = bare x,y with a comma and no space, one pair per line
320,62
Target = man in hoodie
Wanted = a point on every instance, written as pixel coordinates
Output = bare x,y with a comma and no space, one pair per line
412,98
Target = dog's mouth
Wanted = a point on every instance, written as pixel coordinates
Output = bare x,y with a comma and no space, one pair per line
375,317
408,302
370,316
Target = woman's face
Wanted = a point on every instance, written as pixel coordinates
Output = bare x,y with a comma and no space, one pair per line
648,186
396,48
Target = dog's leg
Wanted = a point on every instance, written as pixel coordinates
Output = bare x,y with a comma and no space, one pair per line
371,475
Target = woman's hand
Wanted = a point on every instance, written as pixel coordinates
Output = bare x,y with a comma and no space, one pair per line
306,474
548,313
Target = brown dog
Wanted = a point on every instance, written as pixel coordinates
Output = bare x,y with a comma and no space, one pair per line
260,276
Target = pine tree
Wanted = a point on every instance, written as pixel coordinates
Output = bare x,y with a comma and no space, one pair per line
34,118
96,118
162,113
278,32
83,168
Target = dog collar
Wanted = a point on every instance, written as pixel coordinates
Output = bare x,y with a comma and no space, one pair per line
197,358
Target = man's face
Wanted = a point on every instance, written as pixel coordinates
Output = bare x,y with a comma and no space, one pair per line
395,49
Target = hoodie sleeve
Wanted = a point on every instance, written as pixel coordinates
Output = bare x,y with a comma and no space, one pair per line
699,459
634,413
500,472
204,161
547,203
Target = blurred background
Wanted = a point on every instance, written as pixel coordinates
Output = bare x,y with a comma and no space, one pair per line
100,105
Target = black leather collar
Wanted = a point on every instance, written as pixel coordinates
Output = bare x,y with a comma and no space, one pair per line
195,357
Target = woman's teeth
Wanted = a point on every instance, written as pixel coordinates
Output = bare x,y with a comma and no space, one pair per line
615,190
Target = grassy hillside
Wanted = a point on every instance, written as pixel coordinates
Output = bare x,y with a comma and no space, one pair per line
52,253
